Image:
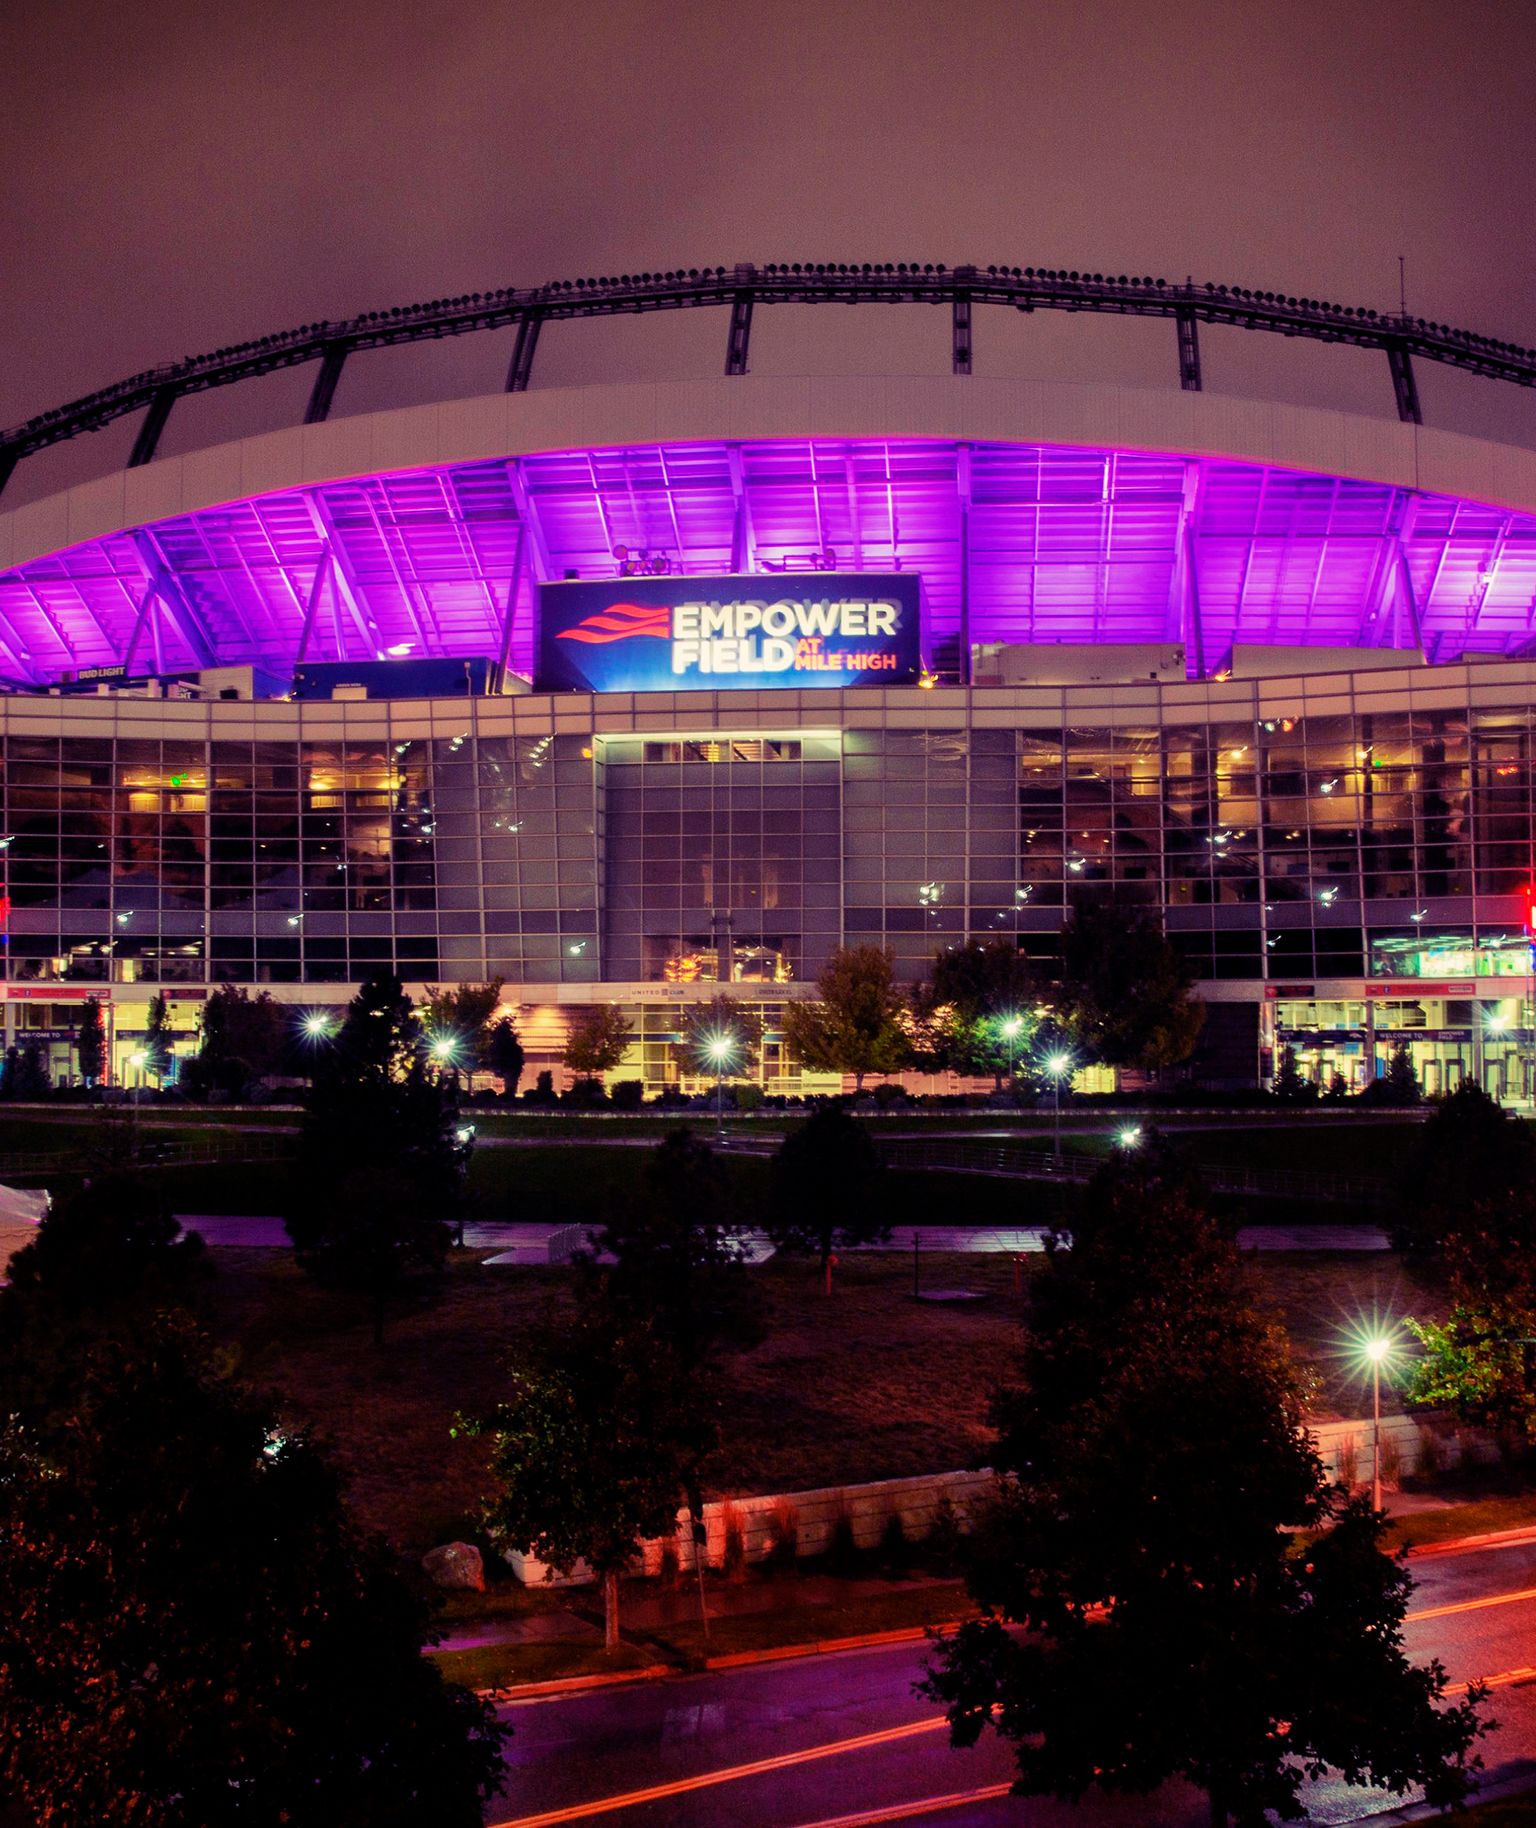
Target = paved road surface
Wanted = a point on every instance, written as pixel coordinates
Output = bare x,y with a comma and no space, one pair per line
529,1243
886,1754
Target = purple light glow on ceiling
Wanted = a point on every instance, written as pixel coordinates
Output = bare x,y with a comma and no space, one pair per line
1064,544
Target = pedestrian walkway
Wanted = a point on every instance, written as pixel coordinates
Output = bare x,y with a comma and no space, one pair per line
521,1243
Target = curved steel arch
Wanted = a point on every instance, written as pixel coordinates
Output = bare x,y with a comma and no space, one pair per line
740,289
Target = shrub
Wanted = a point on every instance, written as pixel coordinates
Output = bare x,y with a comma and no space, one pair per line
1347,1460
747,1097
543,1090
1391,1459
842,1551
628,1095
895,1550
941,1546
1429,1460
585,1095
733,1559
783,1534
671,1564
887,1094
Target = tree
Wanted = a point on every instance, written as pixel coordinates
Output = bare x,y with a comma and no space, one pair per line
104,1255
25,1072
976,1013
857,1023
1290,1087
382,1158
706,1027
1470,1159
599,1039
826,1189
1124,990
194,1632
157,1037
91,1042
242,1039
1466,1204
504,1055
590,1450
457,1023
671,1260
1400,1084
1155,1475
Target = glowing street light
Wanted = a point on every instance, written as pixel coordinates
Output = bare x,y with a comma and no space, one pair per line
720,1050
1012,1028
1377,1349
1059,1066
444,1048
317,1025
1130,1136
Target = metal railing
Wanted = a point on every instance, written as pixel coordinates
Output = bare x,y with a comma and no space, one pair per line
739,288
181,1152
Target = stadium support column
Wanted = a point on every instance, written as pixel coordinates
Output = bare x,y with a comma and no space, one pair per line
160,403
960,337
332,359
1403,383
521,372
504,652
740,336
963,490
1189,349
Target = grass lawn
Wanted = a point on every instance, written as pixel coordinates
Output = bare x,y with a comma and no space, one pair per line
1513,1812
868,1385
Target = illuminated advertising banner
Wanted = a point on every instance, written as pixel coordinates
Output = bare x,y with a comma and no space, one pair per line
798,629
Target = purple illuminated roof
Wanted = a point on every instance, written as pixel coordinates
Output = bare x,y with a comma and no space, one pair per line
1065,544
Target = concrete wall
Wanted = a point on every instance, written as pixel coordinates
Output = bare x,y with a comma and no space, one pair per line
867,1507
915,1501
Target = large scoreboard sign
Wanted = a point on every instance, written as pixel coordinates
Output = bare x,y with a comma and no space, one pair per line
819,628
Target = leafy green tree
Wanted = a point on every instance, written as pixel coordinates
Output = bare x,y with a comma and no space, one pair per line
91,1042
504,1055
1124,990
976,1012
591,1450
721,1018
157,1037
1155,1476
24,1073
241,1039
1471,1160
858,1022
1400,1084
671,1259
381,1036
826,1191
459,1021
598,1040
194,1633
103,1256
382,1157
1466,1205
1290,1087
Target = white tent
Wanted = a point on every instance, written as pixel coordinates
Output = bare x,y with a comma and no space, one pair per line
21,1211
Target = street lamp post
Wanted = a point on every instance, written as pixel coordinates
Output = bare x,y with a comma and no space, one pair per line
1013,1026
1376,1350
1058,1066
718,1050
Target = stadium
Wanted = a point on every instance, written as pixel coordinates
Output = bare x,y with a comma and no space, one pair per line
625,692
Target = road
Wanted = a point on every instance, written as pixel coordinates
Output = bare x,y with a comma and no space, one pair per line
841,1740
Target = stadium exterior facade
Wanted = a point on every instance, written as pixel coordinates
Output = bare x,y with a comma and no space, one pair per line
1261,667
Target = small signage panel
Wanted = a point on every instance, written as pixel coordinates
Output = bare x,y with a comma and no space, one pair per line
797,629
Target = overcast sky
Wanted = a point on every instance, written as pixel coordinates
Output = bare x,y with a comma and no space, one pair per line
180,174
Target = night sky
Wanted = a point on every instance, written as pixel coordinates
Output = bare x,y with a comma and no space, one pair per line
176,175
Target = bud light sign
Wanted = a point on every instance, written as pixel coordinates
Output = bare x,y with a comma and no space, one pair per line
819,628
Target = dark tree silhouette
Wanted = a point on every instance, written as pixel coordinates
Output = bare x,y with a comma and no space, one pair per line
826,1189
